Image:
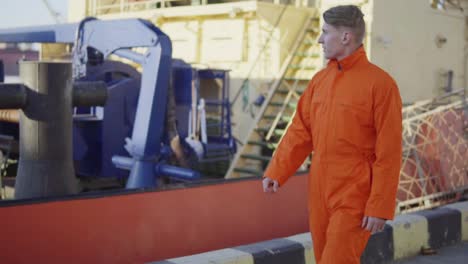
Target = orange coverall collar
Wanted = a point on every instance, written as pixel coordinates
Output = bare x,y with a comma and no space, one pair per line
348,62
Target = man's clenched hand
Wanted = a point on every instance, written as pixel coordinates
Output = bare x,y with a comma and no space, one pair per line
373,224
269,185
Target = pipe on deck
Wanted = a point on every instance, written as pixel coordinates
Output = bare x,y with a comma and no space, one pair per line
15,95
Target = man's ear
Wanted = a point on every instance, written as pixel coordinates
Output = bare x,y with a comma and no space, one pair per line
346,37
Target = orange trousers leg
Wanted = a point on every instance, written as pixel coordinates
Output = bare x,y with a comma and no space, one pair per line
338,237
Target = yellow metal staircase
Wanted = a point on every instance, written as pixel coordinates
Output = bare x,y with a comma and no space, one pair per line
279,106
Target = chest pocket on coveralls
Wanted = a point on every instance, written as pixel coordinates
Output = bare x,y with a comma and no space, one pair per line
317,111
317,104
354,121
354,111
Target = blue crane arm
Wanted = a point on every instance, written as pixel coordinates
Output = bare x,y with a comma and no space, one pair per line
64,33
119,37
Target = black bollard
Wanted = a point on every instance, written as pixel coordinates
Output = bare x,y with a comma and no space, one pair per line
46,162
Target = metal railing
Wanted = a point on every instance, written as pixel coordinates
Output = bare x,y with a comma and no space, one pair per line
435,153
102,7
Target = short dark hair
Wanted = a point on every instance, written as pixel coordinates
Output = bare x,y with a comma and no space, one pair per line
349,16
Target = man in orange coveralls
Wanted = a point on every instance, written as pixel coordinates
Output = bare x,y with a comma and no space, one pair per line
350,117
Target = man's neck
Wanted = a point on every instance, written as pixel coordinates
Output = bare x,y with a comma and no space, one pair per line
348,51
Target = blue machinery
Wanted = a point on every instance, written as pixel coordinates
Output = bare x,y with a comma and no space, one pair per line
135,112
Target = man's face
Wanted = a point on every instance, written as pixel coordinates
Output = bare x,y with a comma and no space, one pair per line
332,41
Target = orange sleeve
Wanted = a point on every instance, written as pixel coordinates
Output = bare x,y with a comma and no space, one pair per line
388,151
295,144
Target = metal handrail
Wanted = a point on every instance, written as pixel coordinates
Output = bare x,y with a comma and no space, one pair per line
259,56
124,5
274,86
292,91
